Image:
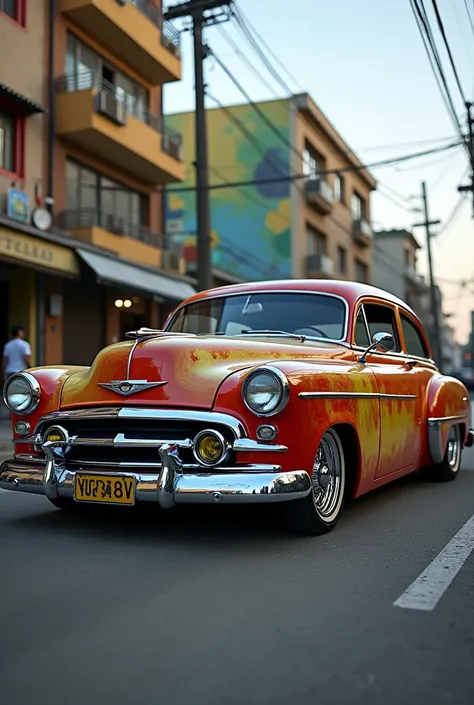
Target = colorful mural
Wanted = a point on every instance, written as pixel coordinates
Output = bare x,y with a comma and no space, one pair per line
251,224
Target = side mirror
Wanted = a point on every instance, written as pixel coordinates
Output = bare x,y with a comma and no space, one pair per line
381,343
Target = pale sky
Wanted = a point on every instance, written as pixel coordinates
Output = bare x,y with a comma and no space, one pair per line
364,64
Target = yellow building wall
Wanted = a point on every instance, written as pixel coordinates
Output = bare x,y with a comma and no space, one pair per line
22,305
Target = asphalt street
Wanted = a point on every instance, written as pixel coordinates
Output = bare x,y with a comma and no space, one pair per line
218,606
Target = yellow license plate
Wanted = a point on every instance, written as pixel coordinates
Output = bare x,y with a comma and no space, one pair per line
104,489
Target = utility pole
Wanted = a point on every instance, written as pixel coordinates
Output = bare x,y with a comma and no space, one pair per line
202,13
470,123
437,348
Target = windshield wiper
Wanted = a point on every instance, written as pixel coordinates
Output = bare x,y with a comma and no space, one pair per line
264,331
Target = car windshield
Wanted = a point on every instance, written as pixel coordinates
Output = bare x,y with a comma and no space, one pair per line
279,313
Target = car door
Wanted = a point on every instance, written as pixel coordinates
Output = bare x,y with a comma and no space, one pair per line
418,357
398,390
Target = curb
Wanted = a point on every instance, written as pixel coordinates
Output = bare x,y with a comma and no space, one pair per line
6,446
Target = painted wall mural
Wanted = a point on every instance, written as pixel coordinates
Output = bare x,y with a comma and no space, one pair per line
251,225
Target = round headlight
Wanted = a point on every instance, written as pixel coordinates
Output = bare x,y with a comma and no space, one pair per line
21,393
266,391
209,447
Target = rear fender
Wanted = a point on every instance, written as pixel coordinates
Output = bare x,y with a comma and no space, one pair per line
447,405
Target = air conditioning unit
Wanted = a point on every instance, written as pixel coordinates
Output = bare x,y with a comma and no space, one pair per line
171,259
109,106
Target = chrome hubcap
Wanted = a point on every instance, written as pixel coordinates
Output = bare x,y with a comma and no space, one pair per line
327,477
452,451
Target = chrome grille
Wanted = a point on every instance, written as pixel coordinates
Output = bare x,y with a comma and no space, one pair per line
132,437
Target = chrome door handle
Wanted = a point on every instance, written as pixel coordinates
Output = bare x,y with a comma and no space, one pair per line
411,363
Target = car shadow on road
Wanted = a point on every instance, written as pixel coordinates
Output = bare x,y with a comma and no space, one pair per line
216,525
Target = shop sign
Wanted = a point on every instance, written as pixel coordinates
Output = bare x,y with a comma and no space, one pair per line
18,205
30,249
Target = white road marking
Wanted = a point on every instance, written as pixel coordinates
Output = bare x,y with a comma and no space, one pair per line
425,592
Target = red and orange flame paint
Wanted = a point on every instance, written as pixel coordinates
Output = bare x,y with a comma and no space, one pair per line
390,427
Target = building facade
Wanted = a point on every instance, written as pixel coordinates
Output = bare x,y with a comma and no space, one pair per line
395,270
281,215
84,156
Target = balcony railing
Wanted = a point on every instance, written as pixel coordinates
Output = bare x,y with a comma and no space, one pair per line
90,217
319,265
362,230
171,141
170,37
319,187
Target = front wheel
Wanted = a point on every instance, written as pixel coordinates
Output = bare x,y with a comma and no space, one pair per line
319,512
448,468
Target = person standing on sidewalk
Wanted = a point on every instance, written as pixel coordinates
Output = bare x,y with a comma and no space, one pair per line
16,353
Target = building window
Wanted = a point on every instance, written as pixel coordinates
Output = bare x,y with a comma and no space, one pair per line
315,241
86,69
339,189
342,259
15,9
357,207
313,162
101,199
11,145
362,272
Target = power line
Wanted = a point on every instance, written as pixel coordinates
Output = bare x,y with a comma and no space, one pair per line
469,15
448,49
428,41
256,108
405,144
290,177
452,216
252,68
244,20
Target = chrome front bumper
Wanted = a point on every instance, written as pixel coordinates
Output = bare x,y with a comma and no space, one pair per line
167,487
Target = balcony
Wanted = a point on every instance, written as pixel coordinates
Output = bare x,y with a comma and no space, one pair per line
362,232
134,31
91,114
319,194
130,241
414,278
319,267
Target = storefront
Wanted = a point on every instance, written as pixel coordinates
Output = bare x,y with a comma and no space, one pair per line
33,268
135,296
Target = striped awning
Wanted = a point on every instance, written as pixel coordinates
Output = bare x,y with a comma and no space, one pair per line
17,104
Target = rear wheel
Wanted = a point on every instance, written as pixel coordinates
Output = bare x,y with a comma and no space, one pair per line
448,468
319,512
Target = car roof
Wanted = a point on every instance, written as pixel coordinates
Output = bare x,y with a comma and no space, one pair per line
351,291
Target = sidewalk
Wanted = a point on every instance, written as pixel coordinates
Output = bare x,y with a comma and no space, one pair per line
5,435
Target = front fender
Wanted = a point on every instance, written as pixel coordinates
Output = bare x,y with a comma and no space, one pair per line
448,405
304,420
51,380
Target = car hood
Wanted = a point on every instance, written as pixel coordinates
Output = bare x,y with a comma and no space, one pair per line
190,368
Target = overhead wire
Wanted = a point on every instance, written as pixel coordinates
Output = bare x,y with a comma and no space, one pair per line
323,172
469,15
448,49
427,38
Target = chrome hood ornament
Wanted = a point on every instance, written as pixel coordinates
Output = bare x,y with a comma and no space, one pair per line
126,387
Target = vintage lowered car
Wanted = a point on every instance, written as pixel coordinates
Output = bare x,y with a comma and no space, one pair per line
301,393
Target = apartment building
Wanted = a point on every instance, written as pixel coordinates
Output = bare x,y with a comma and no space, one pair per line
85,155
281,214
396,271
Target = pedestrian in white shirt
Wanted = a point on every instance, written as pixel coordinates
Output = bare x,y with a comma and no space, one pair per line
16,353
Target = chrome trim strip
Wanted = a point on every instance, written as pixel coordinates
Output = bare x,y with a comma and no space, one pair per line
443,419
247,445
120,441
272,291
354,395
207,417
244,467
169,486
130,355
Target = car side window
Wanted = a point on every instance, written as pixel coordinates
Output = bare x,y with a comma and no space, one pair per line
381,319
414,343
361,337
